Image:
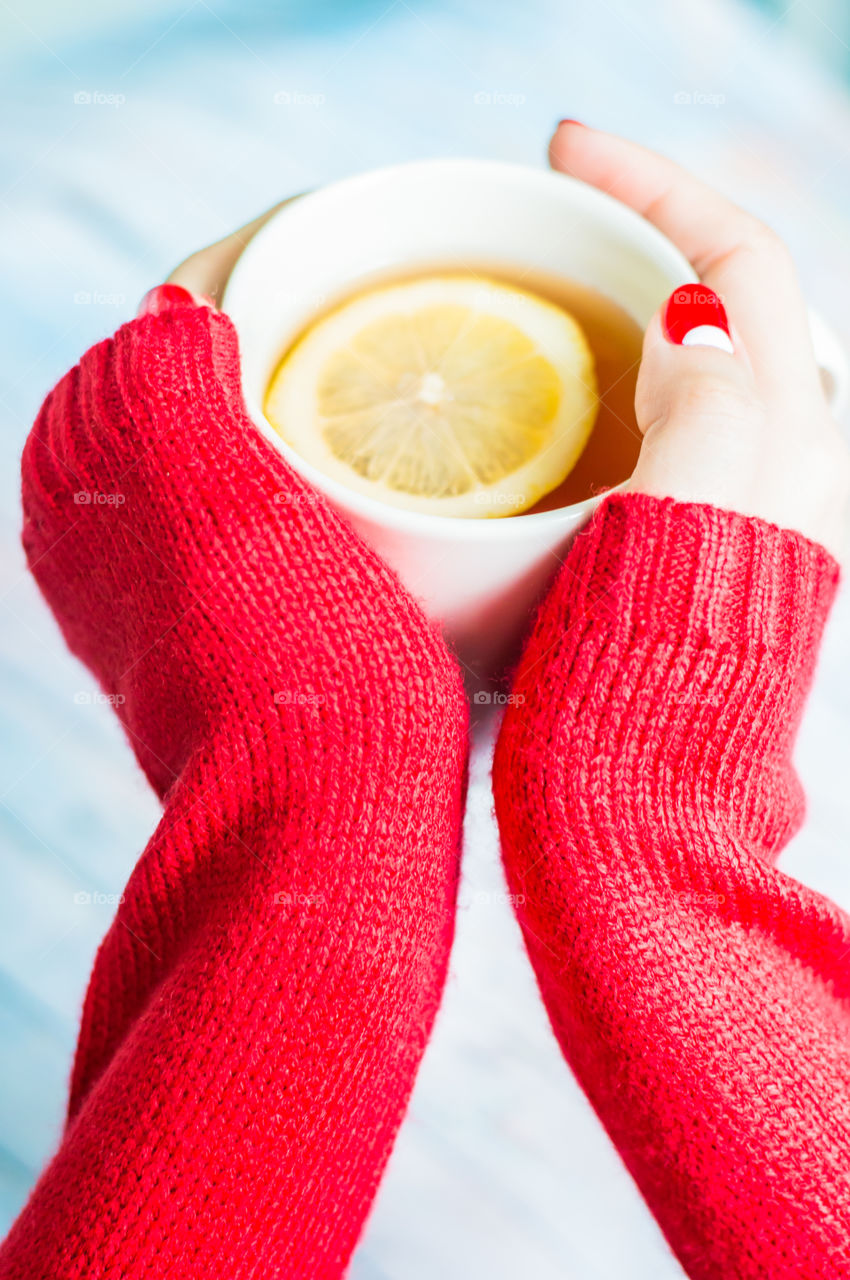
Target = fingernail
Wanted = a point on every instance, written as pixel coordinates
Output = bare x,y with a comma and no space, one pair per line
695,317
569,121
165,296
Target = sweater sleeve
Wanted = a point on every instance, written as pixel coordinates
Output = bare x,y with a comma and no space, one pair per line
259,1006
644,789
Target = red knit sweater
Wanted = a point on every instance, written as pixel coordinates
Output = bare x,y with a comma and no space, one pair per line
259,1007
644,789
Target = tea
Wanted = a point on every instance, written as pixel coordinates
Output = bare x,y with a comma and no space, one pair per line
614,338
610,455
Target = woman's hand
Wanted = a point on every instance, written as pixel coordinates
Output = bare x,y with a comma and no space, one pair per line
749,431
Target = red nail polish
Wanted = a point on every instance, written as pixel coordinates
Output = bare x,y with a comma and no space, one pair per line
694,307
165,296
569,121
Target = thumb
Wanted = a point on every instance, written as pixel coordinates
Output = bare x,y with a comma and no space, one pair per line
697,406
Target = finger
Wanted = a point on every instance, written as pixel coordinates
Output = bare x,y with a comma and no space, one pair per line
164,297
697,406
208,270
740,258
707,436
702,223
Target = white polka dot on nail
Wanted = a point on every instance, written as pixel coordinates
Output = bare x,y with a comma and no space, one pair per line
708,335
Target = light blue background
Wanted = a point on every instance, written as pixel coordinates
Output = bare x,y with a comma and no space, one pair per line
501,1171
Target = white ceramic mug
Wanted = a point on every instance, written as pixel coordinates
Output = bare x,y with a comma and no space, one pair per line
479,578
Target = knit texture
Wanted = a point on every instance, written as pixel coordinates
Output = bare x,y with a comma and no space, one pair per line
644,788
259,1007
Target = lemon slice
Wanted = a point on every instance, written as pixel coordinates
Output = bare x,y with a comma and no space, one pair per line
450,395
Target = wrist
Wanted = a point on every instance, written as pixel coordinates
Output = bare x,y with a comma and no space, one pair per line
703,575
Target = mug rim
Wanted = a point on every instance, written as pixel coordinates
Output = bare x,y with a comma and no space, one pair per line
654,245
